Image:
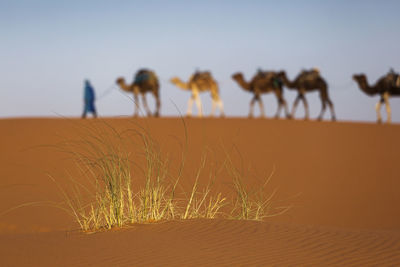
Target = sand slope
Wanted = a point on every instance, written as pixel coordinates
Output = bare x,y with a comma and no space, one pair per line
342,180
205,243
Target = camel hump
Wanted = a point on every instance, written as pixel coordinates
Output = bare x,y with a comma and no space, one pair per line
312,71
259,75
202,75
145,75
393,78
265,77
309,75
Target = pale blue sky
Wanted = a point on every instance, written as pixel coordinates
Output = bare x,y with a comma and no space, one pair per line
48,48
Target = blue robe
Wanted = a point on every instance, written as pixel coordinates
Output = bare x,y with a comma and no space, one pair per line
89,98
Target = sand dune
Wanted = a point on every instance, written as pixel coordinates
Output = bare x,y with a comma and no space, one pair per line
205,243
341,179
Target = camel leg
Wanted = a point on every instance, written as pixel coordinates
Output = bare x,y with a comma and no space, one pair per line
214,105
199,106
321,115
307,112
296,102
260,103
190,106
281,103
158,105
146,107
333,115
252,106
136,100
306,109
286,109
196,97
278,111
325,100
388,110
220,105
378,110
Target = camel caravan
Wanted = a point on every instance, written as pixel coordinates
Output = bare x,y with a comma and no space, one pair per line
263,82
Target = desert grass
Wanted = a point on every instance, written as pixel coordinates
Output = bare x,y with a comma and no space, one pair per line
108,198
252,203
203,204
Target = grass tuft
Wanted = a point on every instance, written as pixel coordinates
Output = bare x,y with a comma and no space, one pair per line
108,198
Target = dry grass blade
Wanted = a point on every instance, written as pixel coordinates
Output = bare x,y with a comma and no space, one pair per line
109,200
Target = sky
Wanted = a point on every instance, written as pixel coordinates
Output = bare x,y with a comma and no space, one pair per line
48,48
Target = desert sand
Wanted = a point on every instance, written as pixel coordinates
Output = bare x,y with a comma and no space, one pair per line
341,180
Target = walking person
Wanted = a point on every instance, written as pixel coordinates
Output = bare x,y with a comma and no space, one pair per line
89,98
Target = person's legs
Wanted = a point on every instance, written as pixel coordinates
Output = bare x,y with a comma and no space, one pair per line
85,110
94,113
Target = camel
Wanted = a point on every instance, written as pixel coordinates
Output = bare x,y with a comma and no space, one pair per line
145,81
201,82
309,81
386,86
263,83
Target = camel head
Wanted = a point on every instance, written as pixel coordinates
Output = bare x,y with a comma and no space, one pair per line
237,76
362,82
120,81
180,84
175,80
122,84
281,74
360,78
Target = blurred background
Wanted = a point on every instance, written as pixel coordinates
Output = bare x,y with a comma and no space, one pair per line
48,48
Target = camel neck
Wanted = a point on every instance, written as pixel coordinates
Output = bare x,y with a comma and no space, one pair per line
245,85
